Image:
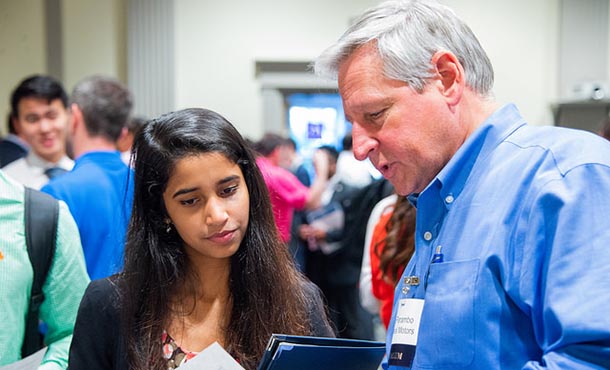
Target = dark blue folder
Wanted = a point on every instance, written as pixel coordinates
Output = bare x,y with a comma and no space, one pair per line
289,352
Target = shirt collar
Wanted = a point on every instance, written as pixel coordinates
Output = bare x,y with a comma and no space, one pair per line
451,179
35,161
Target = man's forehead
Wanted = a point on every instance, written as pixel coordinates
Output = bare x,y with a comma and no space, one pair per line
364,56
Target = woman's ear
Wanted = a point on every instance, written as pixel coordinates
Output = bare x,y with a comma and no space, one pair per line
16,125
450,74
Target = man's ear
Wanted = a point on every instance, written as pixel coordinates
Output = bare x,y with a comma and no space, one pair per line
76,117
16,125
450,74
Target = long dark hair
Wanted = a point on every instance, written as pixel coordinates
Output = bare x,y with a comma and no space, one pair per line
396,249
267,291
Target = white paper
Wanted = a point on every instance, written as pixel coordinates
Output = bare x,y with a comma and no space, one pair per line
213,357
29,363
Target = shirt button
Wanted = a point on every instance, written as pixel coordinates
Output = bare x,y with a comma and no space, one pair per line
449,199
427,236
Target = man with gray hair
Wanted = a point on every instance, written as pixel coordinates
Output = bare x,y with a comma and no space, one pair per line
99,189
512,233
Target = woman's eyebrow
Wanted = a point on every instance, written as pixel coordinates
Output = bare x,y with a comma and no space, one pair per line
228,179
183,191
220,182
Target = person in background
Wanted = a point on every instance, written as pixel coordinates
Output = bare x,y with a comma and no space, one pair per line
351,171
346,262
99,189
392,246
294,163
368,301
203,260
511,218
125,140
63,288
323,237
39,114
12,147
287,193
323,234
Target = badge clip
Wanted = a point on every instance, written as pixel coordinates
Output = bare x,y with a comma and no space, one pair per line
411,280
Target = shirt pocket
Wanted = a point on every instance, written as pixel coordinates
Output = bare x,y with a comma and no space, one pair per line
447,329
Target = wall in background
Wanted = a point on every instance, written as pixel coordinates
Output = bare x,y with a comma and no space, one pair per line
90,37
94,35
521,39
22,47
150,56
583,53
217,45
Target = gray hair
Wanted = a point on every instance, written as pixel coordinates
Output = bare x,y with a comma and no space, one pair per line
106,105
407,34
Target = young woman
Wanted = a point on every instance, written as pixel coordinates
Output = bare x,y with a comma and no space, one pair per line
203,258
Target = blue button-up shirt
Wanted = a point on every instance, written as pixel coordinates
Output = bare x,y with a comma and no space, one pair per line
99,193
521,216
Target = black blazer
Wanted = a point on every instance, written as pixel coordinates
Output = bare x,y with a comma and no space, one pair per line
98,344
10,152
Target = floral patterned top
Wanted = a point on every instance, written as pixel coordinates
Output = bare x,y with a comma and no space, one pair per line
173,353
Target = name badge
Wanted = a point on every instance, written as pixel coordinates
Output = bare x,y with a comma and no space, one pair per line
406,331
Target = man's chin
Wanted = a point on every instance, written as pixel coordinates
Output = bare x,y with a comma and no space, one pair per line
403,189
399,187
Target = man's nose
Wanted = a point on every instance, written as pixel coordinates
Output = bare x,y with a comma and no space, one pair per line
45,124
363,142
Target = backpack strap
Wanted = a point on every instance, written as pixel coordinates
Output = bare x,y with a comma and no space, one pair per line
41,216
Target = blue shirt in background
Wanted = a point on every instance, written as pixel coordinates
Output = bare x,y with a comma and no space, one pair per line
99,198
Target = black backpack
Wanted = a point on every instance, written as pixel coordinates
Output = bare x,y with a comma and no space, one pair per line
41,216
